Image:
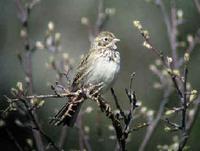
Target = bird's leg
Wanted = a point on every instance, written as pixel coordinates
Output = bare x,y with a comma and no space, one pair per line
96,89
93,90
93,94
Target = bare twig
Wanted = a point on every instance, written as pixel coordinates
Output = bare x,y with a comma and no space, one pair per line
122,132
115,122
102,18
176,85
167,91
83,139
24,16
26,62
197,4
171,24
143,125
80,131
18,146
174,125
46,96
171,66
63,137
184,133
152,126
117,103
191,122
184,103
154,49
179,85
192,44
173,33
133,100
37,126
195,114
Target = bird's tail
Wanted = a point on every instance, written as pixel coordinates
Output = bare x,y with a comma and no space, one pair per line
68,114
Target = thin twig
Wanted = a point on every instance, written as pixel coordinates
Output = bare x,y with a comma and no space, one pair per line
152,126
197,4
184,98
117,103
184,111
132,98
162,57
192,44
171,24
101,18
79,122
174,125
176,85
115,122
63,137
139,127
24,13
122,132
83,139
173,33
18,146
37,126
46,96
191,122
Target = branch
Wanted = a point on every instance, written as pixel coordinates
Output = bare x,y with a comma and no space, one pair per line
91,92
184,103
117,103
26,62
101,19
37,126
133,100
122,130
184,132
46,96
171,24
105,107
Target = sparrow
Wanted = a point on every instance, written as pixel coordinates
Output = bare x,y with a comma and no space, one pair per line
100,65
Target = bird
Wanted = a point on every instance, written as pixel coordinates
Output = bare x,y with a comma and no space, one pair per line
101,64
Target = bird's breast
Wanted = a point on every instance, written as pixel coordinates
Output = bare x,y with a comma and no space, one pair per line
104,70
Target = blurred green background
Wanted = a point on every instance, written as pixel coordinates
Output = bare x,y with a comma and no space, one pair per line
67,14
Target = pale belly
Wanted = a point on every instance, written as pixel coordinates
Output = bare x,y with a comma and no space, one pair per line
104,71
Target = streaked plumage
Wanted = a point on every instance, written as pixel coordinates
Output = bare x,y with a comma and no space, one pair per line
100,65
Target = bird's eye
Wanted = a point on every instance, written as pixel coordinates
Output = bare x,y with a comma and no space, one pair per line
105,39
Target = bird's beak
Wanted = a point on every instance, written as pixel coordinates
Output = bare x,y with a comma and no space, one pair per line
113,43
116,40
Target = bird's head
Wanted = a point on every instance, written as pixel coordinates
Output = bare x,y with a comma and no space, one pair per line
105,39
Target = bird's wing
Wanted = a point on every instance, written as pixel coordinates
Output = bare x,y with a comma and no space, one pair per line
83,70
